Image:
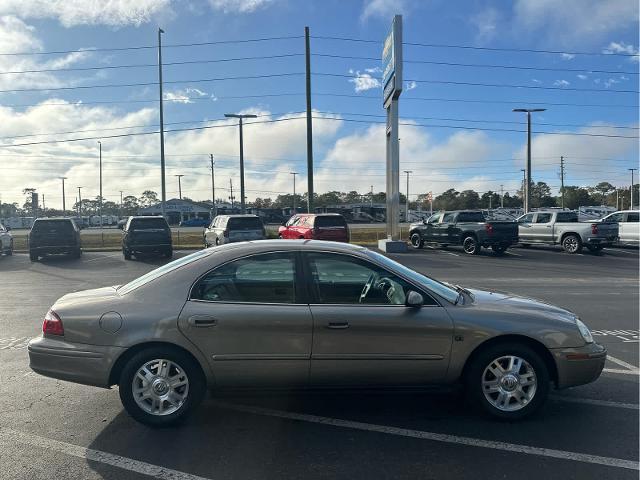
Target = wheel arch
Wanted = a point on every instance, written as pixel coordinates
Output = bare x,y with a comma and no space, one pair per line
122,360
510,339
566,234
469,233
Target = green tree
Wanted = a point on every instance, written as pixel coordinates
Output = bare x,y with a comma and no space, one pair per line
447,200
541,195
130,205
575,197
602,189
148,198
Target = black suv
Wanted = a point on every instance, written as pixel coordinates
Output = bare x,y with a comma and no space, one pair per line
146,235
54,235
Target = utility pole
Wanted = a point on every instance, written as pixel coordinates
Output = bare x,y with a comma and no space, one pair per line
309,122
631,203
524,179
121,203
64,208
501,196
562,181
164,189
617,199
406,217
371,198
179,185
294,191
80,201
490,198
231,189
44,205
430,203
240,117
100,203
213,186
527,195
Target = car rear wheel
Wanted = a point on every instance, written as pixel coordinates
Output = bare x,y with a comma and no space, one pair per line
9,252
470,246
169,253
572,244
509,382
161,386
33,256
416,240
77,253
126,253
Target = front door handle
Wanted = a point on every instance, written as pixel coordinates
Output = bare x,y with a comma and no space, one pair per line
202,321
338,325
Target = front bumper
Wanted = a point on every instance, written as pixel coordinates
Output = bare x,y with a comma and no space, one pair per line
578,366
73,362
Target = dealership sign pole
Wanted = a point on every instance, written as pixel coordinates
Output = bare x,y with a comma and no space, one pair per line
391,89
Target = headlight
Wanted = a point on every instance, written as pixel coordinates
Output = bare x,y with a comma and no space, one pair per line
584,331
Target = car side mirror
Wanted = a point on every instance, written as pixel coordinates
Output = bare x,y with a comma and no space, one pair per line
414,299
8,229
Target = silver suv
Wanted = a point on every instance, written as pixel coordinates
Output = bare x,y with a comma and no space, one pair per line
234,228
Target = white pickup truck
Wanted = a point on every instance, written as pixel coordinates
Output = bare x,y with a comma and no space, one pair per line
563,228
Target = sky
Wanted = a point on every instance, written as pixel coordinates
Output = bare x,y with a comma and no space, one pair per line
75,69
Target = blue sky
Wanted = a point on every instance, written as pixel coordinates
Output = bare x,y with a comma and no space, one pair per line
454,135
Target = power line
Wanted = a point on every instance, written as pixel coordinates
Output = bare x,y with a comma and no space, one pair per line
473,47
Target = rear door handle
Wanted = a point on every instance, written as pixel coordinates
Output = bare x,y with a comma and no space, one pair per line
202,321
338,325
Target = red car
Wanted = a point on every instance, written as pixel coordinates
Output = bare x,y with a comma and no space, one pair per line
325,226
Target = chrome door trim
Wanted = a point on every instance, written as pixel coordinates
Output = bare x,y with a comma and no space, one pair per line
258,356
377,356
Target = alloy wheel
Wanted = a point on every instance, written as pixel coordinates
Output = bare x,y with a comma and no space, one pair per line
509,383
160,387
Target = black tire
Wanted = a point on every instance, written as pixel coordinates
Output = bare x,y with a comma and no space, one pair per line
280,236
499,249
10,251
33,256
476,373
470,245
126,253
195,389
416,240
595,248
572,244
524,245
77,253
169,253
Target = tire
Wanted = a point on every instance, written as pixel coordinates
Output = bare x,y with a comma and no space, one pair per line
499,249
595,248
77,253
511,400
126,253
33,256
169,253
572,244
280,236
217,242
470,246
185,396
9,252
524,245
416,241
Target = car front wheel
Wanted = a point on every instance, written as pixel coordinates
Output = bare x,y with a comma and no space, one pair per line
471,246
416,240
161,387
509,382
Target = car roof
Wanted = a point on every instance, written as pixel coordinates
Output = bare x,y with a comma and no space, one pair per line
256,246
329,214
245,215
54,219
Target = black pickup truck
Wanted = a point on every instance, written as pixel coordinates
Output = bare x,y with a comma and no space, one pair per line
468,228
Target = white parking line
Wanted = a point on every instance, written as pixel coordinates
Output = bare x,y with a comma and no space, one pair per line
437,437
144,468
514,254
451,253
593,401
622,363
619,370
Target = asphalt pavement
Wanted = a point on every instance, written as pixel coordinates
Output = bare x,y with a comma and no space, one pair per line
50,428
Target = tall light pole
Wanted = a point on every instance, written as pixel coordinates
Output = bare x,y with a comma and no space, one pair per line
371,203
631,203
179,185
501,196
63,204
80,201
121,192
406,217
240,117
527,195
163,186
294,190
100,202
213,185
524,179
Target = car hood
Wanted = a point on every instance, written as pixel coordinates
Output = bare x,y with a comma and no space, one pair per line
505,300
88,295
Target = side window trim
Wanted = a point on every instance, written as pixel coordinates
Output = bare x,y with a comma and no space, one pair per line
299,293
313,294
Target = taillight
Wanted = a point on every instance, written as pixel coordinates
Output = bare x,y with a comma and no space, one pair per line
489,228
225,233
594,228
52,324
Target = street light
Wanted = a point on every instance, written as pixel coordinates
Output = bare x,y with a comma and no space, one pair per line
63,204
527,195
100,204
294,190
240,117
407,214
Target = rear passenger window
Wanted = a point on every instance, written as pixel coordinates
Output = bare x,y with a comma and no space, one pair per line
267,278
633,217
330,221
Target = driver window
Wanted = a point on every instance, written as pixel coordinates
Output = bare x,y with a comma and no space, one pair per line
340,279
434,218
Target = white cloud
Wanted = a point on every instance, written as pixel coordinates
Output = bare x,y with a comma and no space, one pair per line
582,77
384,9
575,22
535,80
239,6
364,81
621,47
561,83
410,85
610,82
185,95
70,13
567,56
373,70
486,24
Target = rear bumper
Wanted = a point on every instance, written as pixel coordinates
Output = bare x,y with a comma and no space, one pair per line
503,242
158,247
578,366
73,362
41,250
601,240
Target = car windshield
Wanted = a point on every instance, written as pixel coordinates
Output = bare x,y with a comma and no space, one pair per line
51,226
244,223
158,272
439,288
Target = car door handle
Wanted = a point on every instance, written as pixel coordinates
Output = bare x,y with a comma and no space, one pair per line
338,325
548,226
202,321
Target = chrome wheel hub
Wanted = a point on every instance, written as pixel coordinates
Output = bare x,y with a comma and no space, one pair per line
160,387
509,383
